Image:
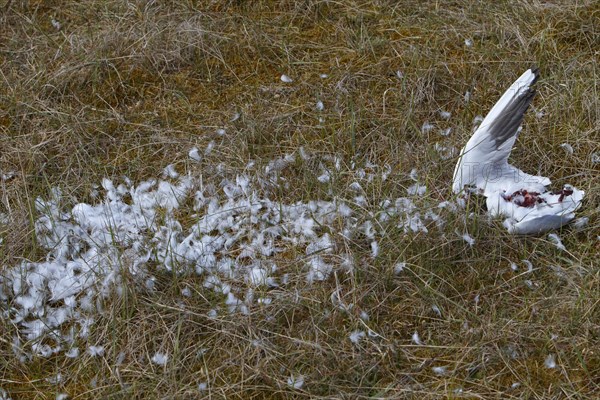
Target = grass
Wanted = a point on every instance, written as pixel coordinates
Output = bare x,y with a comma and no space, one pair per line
125,88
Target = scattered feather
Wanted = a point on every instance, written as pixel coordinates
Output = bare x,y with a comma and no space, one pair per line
135,225
356,187
325,177
529,266
372,334
209,147
446,132
445,114
170,171
286,79
258,276
387,170
550,361
72,353
444,151
580,223
374,249
296,382
55,24
468,238
194,154
567,147
96,351
427,127
55,379
413,174
530,284
361,201
356,336
416,189
399,267
416,339
120,358
8,176
150,283
555,239
364,316
467,96
160,358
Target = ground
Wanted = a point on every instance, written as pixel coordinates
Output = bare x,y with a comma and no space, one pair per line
112,89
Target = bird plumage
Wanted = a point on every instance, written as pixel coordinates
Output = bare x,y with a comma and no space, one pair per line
483,168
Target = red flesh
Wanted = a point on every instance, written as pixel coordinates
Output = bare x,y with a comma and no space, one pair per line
532,198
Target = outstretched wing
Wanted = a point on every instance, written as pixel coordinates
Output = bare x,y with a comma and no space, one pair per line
492,142
498,131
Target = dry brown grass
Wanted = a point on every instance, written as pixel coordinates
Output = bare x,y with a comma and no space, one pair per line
125,88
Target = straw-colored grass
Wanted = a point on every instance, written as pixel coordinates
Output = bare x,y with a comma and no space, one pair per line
123,88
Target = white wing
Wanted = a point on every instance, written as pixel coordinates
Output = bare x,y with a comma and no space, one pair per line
483,162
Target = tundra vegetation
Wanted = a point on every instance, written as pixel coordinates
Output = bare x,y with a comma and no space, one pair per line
351,112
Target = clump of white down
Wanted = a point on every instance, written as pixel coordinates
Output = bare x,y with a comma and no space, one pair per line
236,234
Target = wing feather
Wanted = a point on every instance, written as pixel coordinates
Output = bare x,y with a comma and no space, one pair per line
492,142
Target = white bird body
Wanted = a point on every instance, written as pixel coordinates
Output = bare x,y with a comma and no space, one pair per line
483,168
